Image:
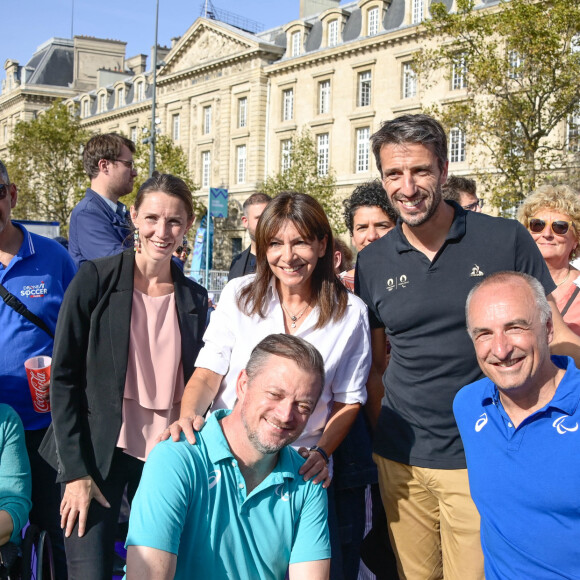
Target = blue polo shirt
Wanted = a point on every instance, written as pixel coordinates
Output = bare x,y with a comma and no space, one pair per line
525,482
192,502
38,276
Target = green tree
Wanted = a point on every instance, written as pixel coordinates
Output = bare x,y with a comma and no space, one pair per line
45,163
519,63
169,158
302,176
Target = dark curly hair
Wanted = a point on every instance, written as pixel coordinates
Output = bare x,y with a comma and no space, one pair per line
368,194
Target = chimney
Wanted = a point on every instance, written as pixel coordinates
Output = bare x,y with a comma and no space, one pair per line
311,7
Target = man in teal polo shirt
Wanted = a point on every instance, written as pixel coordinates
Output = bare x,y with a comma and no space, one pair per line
234,505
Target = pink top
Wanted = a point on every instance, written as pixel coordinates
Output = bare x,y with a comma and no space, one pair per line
562,294
154,383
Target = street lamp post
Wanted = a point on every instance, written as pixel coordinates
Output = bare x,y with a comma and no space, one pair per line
153,103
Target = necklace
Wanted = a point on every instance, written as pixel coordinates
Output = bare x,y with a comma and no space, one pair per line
565,279
294,317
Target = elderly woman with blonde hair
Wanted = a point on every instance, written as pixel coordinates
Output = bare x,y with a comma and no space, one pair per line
552,216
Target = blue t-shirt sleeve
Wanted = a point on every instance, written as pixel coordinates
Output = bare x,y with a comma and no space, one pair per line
162,502
15,483
311,539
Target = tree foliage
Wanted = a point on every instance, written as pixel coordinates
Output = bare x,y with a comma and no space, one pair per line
302,176
46,165
521,64
169,158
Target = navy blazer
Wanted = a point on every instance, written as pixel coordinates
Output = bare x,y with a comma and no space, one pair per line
96,230
241,266
89,361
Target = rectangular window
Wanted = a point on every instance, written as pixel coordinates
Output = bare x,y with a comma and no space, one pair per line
324,97
333,33
102,103
362,149
241,164
140,91
85,108
205,168
207,120
456,145
296,41
285,159
373,21
133,134
175,126
573,133
409,81
287,104
121,97
323,153
364,88
242,112
417,12
458,73
514,64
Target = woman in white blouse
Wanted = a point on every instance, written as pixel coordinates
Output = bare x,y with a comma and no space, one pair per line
296,291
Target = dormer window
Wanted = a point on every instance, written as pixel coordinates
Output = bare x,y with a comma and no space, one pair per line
296,43
373,21
121,97
333,33
140,91
102,103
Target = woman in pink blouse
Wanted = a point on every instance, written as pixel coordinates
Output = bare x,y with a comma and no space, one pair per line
129,330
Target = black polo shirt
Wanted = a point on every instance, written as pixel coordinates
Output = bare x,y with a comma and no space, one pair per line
421,304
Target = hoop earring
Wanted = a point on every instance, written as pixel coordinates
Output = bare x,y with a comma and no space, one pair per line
136,241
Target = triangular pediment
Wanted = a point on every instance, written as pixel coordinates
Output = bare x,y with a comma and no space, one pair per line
208,41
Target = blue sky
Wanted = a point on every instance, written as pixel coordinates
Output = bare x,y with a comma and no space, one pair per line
26,24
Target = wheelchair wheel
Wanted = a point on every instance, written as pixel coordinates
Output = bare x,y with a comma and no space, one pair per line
37,561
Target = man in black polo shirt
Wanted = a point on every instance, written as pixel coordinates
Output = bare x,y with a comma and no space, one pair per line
415,282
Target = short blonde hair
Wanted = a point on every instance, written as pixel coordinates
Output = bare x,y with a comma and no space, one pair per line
560,198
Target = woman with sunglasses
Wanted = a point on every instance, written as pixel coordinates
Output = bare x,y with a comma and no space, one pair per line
552,216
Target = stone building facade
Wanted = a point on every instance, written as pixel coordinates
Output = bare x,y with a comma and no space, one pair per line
233,100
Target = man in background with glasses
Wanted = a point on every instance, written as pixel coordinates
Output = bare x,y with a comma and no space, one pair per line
463,191
99,224
34,272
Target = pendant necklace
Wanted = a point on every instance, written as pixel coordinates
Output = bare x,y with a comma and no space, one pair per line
294,317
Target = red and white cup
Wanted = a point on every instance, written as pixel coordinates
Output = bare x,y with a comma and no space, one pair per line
38,373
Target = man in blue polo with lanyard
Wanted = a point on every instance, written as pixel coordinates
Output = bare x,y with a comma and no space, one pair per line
34,273
520,428
234,505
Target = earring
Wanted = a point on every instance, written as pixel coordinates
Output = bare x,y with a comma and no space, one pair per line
186,247
136,241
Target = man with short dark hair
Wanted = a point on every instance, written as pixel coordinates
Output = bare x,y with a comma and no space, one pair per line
99,224
463,191
35,272
415,281
234,505
520,429
245,263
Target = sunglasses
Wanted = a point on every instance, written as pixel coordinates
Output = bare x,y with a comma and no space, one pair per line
559,227
4,188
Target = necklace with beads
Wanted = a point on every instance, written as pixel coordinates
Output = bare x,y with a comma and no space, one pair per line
294,317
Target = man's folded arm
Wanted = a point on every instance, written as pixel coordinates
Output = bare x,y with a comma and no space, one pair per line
316,570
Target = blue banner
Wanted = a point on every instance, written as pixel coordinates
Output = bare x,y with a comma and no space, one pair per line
198,257
218,202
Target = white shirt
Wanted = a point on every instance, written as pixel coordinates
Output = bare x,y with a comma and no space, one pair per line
344,346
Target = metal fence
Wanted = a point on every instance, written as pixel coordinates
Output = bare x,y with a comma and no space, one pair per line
217,279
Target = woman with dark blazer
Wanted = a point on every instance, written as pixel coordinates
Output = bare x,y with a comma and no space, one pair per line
128,334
